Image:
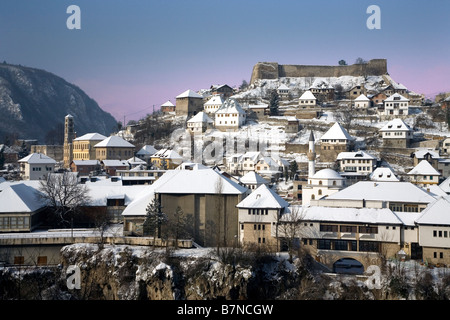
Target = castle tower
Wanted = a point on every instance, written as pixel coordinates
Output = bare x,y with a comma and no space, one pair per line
69,135
311,156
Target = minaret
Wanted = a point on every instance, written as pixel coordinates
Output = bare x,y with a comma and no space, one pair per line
311,156
69,135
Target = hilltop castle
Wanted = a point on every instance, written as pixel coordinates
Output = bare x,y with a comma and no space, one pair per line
273,70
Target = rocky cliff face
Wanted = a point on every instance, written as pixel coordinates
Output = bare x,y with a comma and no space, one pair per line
33,101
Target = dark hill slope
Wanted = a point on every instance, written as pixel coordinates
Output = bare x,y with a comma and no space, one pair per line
33,101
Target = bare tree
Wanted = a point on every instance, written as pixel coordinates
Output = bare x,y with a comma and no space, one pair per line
62,193
219,206
345,116
289,227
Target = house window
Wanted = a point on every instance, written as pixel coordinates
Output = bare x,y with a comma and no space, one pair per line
19,260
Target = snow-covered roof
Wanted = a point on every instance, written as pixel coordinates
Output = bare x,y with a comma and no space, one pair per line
167,154
86,162
383,174
215,100
336,132
189,94
355,155
283,87
263,197
201,117
354,215
230,106
327,174
424,168
168,104
384,191
203,181
115,163
396,125
139,205
20,198
420,154
307,95
436,213
362,97
445,185
252,177
37,158
135,160
91,136
396,97
99,194
147,150
114,142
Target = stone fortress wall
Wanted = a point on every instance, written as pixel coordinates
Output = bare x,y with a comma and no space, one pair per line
273,70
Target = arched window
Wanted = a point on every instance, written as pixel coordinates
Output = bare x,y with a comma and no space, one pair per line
313,197
320,182
320,192
334,182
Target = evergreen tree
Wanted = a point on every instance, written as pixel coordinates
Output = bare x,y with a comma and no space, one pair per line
2,158
342,63
293,168
154,219
274,103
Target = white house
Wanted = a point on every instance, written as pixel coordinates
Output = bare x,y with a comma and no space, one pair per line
396,133
307,100
213,104
259,213
36,166
362,102
199,123
283,91
396,105
423,174
356,165
146,152
230,116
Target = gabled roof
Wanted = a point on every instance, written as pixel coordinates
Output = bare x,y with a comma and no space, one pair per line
384,191
204,181
283,87
445,185
168,104
424,168
189,94
263,197
362,97
337,132
147,149
37,158
355,155
307,95
252,177
114,142
91,136
420,154
231,106
396,97
437,213
20,198
201,117
383,174
396,125
215,100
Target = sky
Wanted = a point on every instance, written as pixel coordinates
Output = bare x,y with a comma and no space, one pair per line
132,56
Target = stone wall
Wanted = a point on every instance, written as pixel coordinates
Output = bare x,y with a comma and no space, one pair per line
273,70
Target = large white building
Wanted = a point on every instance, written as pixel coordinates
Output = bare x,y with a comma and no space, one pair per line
396,134
307,100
